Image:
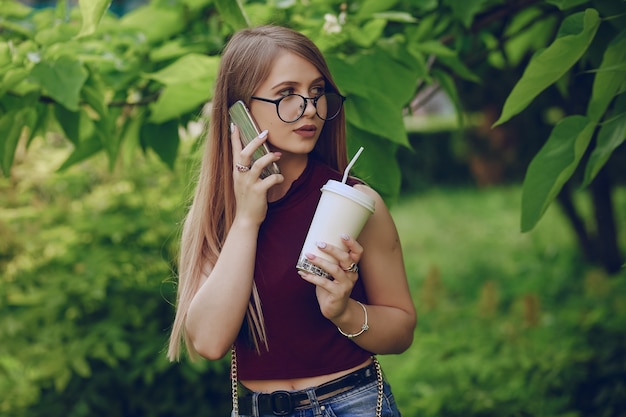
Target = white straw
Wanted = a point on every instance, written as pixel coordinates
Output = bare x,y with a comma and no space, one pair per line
347,170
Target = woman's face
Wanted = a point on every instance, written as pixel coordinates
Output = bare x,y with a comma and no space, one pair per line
290,74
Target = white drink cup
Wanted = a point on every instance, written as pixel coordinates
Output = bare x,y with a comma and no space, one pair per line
341,209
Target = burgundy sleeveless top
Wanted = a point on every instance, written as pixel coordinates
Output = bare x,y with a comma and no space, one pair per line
302,342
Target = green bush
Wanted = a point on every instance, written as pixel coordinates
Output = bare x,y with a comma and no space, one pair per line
510,324
85,300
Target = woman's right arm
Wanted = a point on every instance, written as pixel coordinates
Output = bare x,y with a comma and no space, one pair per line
219,307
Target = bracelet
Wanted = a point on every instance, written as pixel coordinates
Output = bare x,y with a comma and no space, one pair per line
364,327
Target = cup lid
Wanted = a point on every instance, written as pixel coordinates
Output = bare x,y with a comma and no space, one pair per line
352,193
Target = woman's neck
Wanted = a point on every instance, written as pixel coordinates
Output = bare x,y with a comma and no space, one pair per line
291,167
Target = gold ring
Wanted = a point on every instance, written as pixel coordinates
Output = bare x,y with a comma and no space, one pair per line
352,268
242,168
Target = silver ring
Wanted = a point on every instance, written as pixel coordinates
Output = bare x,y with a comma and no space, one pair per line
352,268
242,168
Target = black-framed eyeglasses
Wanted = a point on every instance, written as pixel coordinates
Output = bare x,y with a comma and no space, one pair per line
291,107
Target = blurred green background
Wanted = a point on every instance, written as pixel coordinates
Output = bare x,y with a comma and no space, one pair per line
510,323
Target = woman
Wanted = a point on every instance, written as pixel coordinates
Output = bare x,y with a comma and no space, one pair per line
302,344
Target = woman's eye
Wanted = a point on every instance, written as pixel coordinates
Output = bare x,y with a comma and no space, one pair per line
317,91
286,92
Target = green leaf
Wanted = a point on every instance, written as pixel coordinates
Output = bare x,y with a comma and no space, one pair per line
189,83
5,54
57,34
94,96
12,78
612,134
566,4
173,50
80,365
447,84
156,24
609,79
14,9
395,16
85,149
233,13
378,108
370,7
70,123
546,67
465,10
369,33
433,47
11,125
62,79
553,166
195,5
178,99
130,135
459,68
377,115
189,67
164,139
92,12
377,165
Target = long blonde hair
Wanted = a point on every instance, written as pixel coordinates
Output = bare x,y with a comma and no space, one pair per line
246,62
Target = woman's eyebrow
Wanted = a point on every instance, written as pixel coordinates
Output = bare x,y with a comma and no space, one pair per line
289,83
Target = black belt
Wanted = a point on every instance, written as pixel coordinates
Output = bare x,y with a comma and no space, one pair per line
282,403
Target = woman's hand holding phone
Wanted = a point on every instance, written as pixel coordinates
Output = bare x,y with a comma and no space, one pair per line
250,188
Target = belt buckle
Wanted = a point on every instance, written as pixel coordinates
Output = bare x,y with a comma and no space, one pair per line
281,403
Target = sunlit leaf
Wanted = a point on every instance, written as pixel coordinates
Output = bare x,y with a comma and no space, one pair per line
92,11
62,79
546,67
188,67
156,24
12,78
14,9
369,33
233,13
178,99
369,7
395,16
553,166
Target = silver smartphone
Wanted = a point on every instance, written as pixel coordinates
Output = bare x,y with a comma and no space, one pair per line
248,130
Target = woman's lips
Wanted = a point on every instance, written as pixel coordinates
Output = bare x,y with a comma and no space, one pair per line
307,131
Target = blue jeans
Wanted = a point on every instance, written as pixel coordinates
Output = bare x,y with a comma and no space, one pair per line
357,402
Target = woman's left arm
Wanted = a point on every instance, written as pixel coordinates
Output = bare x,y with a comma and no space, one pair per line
390,309
391,316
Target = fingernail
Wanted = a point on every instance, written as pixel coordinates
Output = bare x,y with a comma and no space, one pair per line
320,245
309,256
263,134
301,273
345,236
232,127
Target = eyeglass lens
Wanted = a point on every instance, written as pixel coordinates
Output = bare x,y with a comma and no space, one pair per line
292,107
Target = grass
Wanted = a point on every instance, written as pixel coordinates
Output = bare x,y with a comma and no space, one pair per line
492,304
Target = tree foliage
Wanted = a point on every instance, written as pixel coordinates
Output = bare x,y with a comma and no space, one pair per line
112,84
